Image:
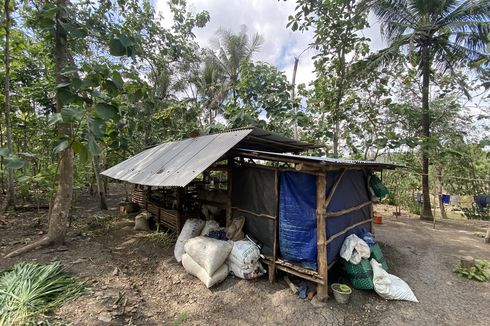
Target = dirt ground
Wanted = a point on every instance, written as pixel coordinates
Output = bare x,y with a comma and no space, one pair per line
133,278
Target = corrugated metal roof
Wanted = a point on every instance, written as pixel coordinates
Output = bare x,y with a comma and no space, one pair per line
332,161
177,163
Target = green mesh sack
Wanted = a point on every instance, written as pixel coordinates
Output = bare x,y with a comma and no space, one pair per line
378,255
360,275
378,187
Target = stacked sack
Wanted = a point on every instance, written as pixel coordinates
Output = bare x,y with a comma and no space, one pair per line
205,258
243,260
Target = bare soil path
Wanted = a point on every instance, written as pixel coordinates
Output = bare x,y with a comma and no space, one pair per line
134,279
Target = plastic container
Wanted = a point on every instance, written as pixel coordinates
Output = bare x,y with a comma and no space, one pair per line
340,296
377,219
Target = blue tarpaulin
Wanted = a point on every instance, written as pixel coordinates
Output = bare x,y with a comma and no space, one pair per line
297,214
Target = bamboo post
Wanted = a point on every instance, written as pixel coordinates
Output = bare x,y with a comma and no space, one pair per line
321,234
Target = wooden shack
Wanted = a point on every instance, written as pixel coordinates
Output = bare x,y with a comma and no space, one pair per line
299,207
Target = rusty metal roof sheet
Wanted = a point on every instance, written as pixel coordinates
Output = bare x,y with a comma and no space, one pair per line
177,163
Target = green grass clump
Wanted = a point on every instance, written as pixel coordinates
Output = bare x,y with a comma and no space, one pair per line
28,291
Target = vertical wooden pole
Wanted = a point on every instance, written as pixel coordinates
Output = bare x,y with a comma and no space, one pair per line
229,189
275,247
321,235
178,199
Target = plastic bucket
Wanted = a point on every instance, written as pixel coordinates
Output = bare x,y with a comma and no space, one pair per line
377,219
340,297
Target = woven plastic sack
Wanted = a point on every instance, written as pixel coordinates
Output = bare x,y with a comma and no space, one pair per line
354,249
211,225
192,228
390,287
244,254
193,268
249,273
209,253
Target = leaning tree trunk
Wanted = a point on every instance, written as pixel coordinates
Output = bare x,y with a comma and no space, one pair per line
426,208
60,210
10,200
101,193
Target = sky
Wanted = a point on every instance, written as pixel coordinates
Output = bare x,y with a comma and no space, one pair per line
269,19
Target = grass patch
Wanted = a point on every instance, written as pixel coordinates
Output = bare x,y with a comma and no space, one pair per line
162,238
28,291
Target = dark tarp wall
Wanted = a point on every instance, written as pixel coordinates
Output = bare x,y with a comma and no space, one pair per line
254,190
297,214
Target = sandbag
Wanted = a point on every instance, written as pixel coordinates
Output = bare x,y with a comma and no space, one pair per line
244,253
193,268
234,231
192,228
354,249
209,253
390,287
142,222
251,272
211,225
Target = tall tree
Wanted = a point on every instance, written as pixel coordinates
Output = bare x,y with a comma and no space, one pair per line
10,202
232,50
437,34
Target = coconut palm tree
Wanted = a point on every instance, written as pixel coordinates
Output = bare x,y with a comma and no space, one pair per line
231,51
438,34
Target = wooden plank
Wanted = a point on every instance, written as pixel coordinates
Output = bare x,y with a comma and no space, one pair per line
321,235
344,231
347,210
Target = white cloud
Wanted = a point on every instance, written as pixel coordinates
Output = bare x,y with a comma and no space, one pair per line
269,19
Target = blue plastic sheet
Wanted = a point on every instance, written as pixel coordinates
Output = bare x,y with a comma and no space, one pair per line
297,214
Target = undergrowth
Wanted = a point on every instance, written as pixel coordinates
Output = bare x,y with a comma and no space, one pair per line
28,291
479,272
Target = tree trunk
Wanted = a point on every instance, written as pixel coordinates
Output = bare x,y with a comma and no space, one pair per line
10,200
100,184
60,210
487,237
441,189
426,208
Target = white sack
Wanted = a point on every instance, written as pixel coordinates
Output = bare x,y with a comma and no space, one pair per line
211,225
244,253
390,287
193,268
142,221
248,273
354,249
209,253
192,228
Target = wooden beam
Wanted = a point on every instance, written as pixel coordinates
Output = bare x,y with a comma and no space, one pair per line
347,210
275,246
321,235
305,167
229,189
344,231
334,188
253,213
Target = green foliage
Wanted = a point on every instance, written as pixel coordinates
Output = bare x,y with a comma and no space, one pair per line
480,272
28,291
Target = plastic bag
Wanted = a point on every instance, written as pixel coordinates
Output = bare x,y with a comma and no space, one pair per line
354,249
390,287
247,273
211,225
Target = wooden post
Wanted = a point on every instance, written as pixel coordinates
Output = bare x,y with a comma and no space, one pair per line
178,199
229,189
275,247
321,235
